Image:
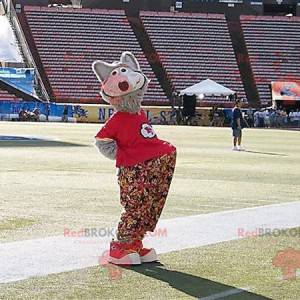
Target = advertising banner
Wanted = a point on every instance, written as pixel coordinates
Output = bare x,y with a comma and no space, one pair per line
101,113
285,91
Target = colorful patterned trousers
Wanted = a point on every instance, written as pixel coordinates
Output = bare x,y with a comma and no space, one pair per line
143,192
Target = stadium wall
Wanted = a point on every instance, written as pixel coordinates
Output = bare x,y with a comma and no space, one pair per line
90,113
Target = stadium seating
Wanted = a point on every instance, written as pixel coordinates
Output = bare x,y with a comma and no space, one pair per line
69,40
273,45
194,47
4,95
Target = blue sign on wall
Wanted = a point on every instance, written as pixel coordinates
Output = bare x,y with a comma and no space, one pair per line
48,109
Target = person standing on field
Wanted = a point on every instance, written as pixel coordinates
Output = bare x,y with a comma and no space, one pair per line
236,125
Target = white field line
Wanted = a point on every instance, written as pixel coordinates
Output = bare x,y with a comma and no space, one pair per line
39,257
224,294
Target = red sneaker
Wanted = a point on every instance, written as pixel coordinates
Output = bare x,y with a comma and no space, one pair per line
123,254
147,255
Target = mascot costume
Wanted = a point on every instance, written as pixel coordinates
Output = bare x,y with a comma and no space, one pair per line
145,163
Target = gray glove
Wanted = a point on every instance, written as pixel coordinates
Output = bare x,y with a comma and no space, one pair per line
107,148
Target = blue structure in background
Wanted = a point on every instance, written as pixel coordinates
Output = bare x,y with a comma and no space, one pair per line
48,109
22,78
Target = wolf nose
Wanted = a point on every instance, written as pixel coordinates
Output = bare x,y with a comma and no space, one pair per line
123,86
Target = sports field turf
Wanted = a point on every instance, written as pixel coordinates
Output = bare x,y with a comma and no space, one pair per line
186,274
47,186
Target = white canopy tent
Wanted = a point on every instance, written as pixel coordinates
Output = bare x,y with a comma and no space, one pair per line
207,87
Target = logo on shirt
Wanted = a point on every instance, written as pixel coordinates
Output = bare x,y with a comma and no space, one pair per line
147,131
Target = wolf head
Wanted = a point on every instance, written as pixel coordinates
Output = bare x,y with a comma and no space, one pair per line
123,83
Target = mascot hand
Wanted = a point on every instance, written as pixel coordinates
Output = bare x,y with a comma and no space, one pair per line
107,147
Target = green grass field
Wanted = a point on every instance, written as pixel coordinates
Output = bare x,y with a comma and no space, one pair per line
63,182
186,274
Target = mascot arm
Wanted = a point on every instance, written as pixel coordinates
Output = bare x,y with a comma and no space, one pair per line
107,147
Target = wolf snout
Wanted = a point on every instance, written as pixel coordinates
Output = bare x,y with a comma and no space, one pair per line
123,86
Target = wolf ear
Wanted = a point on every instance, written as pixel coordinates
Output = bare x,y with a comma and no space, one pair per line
101,69
129,59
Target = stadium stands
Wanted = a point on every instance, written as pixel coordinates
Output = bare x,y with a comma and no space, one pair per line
4,95
273,45
194,47
190,46
69,40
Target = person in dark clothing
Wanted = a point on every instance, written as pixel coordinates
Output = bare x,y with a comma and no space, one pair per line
236,125
64,117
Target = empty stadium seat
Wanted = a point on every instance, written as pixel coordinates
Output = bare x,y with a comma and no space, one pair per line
273,45
4,96
69,40
194,47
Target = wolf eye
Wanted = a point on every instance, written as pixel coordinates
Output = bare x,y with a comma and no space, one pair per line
114,73
123,70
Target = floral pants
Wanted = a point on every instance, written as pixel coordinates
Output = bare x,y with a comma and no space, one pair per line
143,192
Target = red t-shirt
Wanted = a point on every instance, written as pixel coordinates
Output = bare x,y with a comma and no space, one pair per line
135,138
